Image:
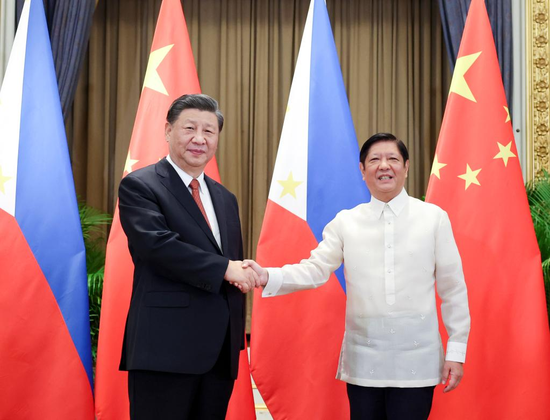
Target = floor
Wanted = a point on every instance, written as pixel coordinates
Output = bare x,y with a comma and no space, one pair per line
262,413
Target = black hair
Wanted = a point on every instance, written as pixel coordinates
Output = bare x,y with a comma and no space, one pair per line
198,101
378,137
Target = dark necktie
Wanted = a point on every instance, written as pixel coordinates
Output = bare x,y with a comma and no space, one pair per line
196,195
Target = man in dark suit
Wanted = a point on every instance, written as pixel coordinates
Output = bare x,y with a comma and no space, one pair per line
185,325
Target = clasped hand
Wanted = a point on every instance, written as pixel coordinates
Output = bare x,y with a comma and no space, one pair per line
246,275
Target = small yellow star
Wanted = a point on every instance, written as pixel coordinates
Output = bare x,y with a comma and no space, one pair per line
507,114
458,83
505,153
152,78
470,176
436,166
3,180
129,163
289,186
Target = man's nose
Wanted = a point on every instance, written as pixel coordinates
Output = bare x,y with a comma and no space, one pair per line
384,164
199,138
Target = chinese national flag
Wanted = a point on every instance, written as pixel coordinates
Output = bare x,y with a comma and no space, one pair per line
170,73
476,177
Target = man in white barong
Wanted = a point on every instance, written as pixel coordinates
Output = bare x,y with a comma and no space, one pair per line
395,250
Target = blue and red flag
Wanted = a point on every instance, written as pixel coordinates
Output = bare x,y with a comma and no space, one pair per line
296,338
45,356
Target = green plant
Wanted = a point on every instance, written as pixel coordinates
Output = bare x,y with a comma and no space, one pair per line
538,194
94,225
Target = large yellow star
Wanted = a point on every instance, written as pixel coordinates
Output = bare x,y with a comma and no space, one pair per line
505,153
507,113
3,180
152,78
459,84
289,186
436,166
129,163
470,176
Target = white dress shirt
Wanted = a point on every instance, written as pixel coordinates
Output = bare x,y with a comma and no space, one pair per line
205,198
394,254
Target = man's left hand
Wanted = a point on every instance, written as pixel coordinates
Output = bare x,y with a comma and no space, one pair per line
451,375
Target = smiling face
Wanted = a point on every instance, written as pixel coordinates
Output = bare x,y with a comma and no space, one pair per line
193,140
384,170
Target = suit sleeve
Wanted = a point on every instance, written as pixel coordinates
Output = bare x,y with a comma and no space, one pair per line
154,244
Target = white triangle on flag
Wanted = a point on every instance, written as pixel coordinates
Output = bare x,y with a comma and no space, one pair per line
289,183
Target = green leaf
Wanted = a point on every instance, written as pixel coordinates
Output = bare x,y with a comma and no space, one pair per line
94,230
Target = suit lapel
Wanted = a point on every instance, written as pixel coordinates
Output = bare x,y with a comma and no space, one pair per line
219,207
173,183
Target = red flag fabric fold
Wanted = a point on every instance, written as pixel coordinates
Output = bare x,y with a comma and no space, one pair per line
476,177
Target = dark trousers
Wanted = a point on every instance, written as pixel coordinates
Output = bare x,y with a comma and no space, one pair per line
368,403
180,396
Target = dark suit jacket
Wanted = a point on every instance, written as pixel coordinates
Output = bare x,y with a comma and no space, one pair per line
181,307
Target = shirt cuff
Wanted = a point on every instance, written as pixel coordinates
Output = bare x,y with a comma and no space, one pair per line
456,352
274,283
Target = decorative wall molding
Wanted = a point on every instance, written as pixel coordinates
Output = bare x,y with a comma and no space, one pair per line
538,87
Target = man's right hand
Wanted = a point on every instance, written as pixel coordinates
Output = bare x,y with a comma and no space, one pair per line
263,274
243,278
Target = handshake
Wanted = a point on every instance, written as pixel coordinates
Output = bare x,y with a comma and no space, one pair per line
246,275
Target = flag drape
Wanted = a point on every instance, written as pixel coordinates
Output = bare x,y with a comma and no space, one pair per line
296,338
476,177
45,352
170,73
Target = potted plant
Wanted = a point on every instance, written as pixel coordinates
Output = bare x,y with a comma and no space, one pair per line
94,227
538,195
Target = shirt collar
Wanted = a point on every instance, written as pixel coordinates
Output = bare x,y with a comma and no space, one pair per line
396,204
185,177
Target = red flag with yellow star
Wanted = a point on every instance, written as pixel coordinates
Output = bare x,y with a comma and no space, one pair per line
170,73
476,177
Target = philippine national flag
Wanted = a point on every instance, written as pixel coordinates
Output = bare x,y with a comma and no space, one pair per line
45,357
296,338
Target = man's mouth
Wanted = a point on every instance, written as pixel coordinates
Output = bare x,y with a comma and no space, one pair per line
196,151
385,177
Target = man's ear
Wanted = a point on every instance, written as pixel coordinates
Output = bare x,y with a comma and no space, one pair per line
167,130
